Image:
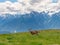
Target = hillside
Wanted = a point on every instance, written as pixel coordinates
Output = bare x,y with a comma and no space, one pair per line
45,37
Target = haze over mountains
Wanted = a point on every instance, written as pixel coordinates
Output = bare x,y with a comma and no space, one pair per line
34,20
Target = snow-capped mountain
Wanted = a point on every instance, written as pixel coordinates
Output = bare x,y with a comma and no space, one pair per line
34,20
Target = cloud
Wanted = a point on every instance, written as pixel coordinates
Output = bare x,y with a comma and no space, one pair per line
27,6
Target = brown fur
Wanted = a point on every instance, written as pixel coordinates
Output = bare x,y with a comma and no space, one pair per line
34,32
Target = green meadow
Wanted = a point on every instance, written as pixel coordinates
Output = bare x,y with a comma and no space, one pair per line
45,37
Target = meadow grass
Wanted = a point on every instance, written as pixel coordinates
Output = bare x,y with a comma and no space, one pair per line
45,37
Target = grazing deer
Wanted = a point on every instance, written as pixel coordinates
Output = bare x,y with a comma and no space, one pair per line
33,32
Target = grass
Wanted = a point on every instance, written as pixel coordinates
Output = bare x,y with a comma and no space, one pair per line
45,37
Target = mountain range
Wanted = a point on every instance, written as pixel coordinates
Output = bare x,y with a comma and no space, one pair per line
34,20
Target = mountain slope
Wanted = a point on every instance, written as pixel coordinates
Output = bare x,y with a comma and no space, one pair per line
33,20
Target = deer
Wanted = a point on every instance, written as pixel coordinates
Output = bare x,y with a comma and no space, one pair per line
33,32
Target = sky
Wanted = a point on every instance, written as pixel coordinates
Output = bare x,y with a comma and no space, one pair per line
27,6
16,0
8,0
54,1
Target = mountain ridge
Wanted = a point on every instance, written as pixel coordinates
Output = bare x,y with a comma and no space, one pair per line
33,20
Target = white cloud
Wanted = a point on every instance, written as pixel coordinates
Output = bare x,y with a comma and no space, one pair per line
26,6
